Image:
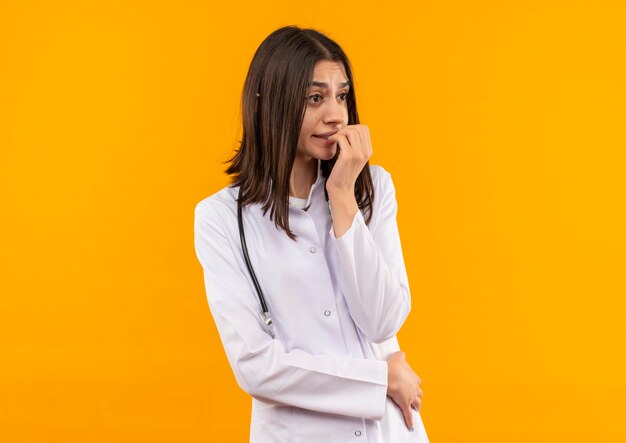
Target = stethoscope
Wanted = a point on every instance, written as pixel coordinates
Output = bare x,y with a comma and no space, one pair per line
264,315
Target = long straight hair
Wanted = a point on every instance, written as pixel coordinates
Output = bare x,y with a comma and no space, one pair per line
273,105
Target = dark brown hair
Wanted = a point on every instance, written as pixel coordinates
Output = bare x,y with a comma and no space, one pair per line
273,105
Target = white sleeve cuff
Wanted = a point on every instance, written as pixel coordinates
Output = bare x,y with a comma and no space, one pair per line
357,222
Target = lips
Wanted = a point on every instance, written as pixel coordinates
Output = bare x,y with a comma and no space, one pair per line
325,135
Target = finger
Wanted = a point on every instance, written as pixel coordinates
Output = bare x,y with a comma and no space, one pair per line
341,140
408,416
355,138
338,137
364,138
347,132
417,404
343,132
368,137
420,393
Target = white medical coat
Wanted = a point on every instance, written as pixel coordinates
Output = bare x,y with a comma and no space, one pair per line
336,304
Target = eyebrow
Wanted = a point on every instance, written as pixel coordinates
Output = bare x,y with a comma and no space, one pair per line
325,85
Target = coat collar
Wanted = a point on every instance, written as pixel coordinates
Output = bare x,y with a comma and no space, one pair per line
318,184
319,179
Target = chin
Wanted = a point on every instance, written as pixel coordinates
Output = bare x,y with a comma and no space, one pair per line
324,154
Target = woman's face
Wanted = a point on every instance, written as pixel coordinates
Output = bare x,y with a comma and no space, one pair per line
326,111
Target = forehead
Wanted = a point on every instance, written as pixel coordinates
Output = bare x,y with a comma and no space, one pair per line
329,72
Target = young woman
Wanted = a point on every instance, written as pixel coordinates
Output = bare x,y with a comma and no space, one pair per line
310,224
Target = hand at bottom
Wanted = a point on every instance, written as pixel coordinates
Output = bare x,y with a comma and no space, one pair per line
403,386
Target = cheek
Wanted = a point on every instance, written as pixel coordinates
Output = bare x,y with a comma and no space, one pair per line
307,123
303,138
305,131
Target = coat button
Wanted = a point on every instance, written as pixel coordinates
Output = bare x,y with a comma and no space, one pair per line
327,312
312,249
357,433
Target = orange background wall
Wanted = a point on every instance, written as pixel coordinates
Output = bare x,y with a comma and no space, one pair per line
502,123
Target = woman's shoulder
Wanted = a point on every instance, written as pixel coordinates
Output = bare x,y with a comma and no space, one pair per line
381,177
219,206
384,194
222,205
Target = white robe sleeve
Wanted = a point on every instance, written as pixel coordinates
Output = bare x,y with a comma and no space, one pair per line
372,274
324,383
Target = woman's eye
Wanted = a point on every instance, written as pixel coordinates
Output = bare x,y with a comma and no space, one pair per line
317,97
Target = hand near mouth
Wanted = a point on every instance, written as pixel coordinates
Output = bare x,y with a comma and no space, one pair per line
355,149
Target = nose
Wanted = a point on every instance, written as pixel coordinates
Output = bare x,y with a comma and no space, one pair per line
335,112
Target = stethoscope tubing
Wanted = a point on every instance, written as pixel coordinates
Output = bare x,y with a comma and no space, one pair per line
264,315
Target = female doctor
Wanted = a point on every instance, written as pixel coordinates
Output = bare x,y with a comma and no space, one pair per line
319,239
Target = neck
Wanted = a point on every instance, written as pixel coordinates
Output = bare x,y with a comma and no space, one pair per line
303,175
